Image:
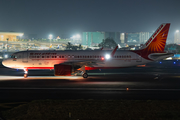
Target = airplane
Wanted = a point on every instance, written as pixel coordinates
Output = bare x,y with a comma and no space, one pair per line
67,63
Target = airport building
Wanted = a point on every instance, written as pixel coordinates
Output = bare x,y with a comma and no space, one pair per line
94,38
10,36
177,37
135,38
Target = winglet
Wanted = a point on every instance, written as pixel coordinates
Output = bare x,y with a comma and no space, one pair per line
112,54
102,48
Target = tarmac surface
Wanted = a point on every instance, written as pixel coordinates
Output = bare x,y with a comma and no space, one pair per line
156,81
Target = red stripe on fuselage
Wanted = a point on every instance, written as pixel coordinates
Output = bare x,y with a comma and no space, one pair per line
94,68
86,68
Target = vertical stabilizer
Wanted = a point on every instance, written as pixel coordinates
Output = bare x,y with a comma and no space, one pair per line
157,41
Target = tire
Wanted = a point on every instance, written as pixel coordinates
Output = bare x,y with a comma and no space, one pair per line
25,75
85,75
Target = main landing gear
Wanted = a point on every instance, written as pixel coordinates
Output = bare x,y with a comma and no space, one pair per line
25,73
85,75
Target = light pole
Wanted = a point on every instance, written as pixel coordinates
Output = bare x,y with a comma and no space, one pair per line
7,44
50,37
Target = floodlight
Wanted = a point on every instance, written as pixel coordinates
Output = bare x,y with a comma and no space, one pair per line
50,36
78,36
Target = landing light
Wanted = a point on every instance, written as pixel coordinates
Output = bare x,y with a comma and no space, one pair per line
107,56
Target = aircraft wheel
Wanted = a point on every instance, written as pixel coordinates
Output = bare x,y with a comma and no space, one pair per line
25,75
85,75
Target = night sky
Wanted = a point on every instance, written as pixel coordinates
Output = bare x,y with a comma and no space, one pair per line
44,17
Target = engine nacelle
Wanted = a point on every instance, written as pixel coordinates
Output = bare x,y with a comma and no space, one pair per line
64,70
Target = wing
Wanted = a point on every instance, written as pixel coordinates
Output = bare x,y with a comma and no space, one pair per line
89,63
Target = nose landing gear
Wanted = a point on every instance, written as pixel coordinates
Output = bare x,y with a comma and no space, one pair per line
25,73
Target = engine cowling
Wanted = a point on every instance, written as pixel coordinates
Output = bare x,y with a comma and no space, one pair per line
64,70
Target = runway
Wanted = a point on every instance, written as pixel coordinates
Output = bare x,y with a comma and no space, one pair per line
149,83
19,89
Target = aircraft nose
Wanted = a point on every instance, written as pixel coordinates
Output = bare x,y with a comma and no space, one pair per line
4,62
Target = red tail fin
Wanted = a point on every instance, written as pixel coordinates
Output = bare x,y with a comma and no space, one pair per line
157,41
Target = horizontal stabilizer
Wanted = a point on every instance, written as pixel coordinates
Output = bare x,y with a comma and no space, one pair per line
160,56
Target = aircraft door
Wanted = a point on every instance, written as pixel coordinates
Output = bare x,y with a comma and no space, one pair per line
138,57
25,57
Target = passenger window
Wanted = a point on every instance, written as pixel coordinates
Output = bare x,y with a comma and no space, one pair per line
42,56
47,57
37,56
62,56
52,56
55,56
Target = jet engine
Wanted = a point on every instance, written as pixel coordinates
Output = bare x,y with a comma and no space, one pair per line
65,70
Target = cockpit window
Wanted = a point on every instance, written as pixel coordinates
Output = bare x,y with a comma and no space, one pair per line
13,56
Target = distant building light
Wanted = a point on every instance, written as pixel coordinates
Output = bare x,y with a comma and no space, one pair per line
5,56
177,31
58,38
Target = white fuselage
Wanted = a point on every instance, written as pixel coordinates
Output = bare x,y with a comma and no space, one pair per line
47,59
